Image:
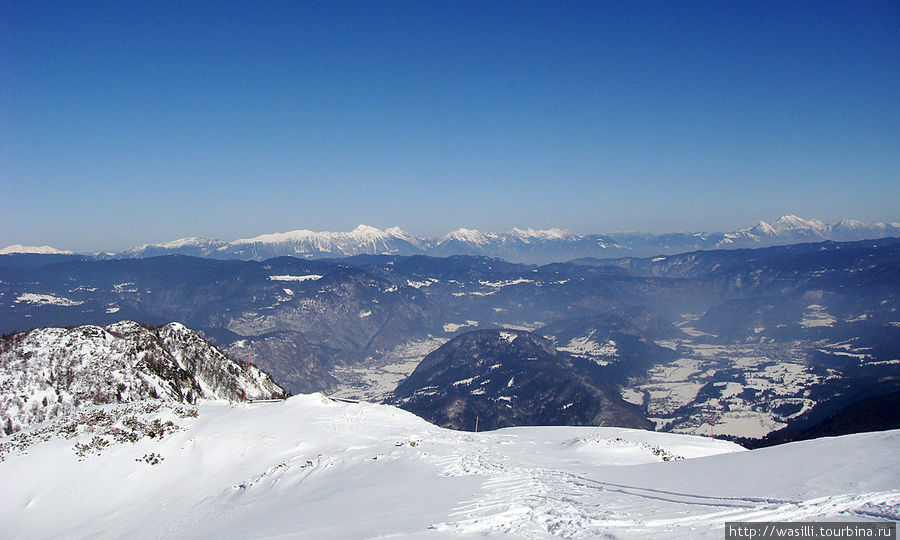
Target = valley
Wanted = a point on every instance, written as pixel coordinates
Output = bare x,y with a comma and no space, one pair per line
736,343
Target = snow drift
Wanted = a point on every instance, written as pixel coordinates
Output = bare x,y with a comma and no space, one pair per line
311,467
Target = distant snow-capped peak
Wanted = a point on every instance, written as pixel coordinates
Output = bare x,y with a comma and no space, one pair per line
792,222
362,232
520,244
762,228
182,243
540,234
277,238
39,250
855,225
468,236
368,233
397,232
191,241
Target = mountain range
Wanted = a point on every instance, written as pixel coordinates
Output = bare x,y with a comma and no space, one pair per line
769,337
516,245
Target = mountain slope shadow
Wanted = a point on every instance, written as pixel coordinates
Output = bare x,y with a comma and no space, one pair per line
499,378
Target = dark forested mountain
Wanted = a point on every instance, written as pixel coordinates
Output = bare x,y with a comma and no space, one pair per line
511,378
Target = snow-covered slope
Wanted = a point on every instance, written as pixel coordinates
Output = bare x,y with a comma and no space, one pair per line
309,467
196,247
48,372
303,243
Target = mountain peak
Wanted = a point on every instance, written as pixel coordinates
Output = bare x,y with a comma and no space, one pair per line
763,228
397,232
792,223
171,363
276,238
367,231
470,236
39,250
540,234
519,244
495,375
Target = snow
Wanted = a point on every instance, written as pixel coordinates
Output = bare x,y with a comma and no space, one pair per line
419,284
124,288
48,372
397,232
764,228
40,250
277,238
507,283
742,424
310,467
362,239
375,378
468,236
525,326
46,299
632,396
509,337
453,327
475,293
307,277
815,316
794,223
588,347
185,242
526,235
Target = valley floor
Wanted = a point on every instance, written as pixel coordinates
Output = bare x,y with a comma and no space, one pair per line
315,468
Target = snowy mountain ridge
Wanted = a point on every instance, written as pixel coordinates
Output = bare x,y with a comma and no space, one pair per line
38,250
48,372
518,244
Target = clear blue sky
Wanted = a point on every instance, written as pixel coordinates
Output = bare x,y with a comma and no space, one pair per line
131,122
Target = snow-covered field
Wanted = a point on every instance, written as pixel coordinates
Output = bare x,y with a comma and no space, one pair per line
744,384
310,467
376,378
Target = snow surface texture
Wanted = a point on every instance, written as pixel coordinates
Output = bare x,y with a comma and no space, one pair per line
310,467
47,372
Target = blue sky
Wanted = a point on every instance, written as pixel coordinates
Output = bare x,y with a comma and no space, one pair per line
131,122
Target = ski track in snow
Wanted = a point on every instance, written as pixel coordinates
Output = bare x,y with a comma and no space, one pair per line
535,502
311,467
